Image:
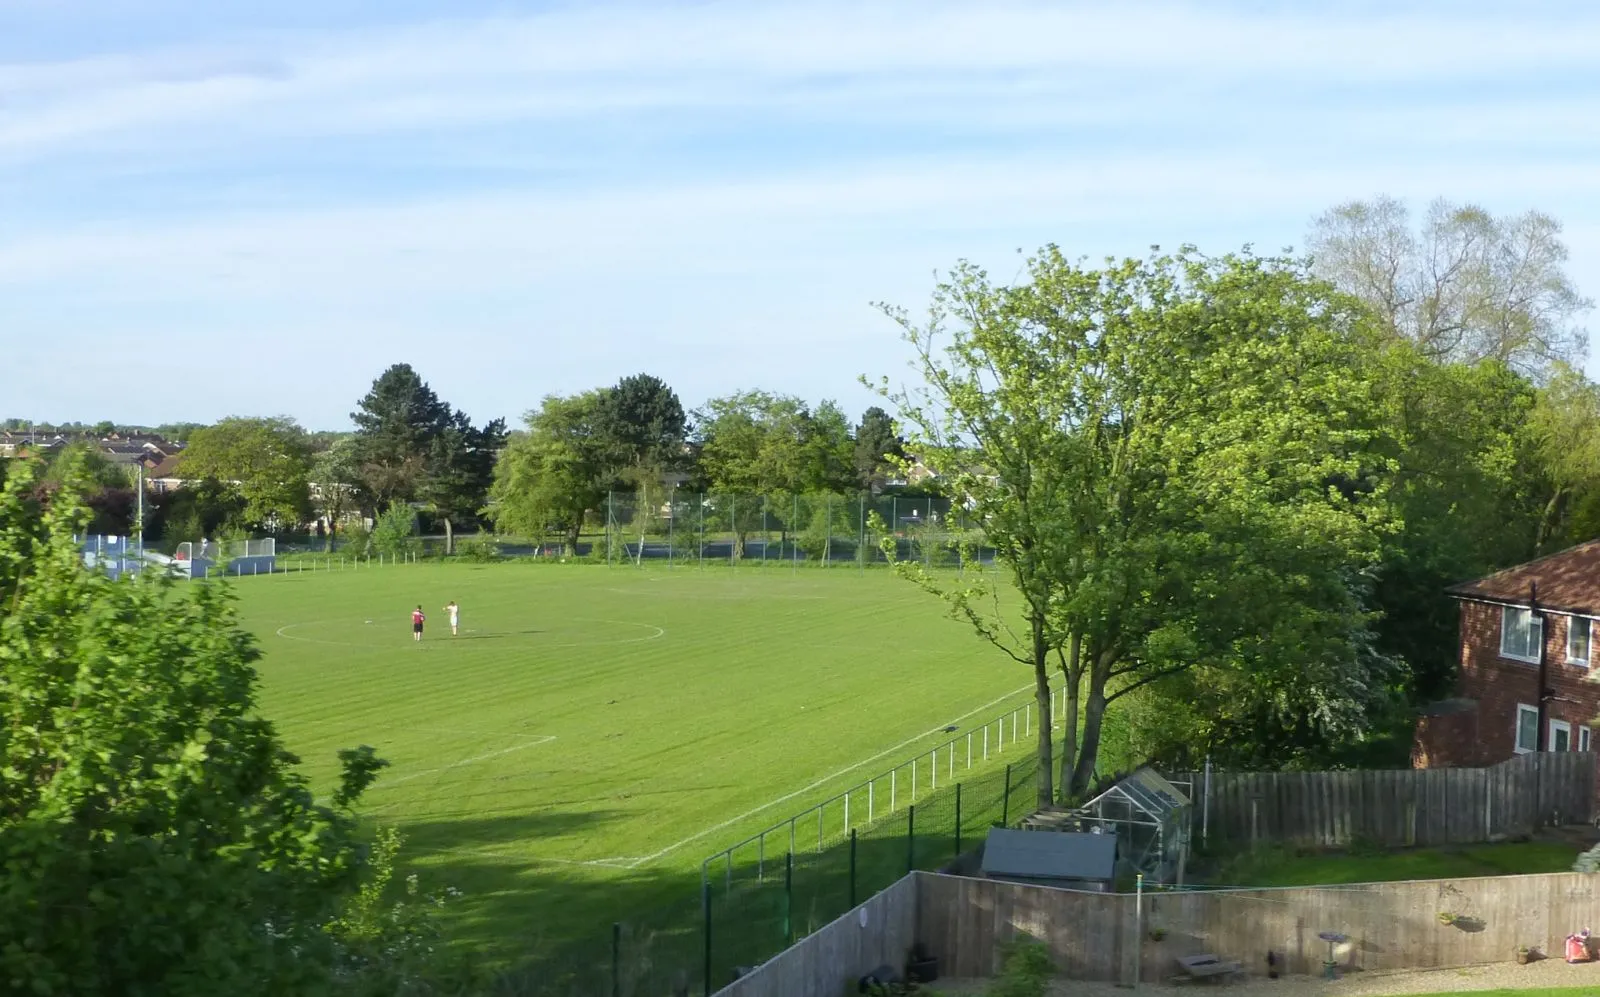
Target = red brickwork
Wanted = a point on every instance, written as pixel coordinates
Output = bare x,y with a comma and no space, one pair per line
1486,734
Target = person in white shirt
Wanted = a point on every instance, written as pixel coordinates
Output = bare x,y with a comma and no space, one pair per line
455,618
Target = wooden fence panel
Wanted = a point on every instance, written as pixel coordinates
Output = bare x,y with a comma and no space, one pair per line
1399,807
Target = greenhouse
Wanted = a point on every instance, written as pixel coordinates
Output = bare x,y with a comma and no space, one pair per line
1150,817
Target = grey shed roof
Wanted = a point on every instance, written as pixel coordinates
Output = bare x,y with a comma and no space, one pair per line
1049,854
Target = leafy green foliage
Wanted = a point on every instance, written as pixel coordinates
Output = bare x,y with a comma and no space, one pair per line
1025,968
1180,463
552,475
395,532
156,836
411,446
643,423
481,548
337,475
878,450
267,461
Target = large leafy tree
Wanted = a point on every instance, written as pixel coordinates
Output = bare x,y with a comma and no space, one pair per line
267,461
396,424
554,473
412,447
757,446
878,450
644,424
335,474
1174,459
155,834
1466,286
1467,491
459,472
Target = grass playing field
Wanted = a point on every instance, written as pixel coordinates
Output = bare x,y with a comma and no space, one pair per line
593,733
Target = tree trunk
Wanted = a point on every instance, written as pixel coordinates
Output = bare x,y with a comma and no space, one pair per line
449,538
572,539
1071,681
1041,694
1547,521
1093,714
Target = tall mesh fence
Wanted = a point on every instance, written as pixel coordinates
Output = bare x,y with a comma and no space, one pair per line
766,893
757,901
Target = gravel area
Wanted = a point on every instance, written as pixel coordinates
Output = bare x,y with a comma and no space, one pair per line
1545,973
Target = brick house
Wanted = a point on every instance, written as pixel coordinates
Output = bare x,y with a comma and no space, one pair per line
1514,623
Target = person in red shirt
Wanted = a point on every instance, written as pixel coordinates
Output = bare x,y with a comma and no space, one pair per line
417,620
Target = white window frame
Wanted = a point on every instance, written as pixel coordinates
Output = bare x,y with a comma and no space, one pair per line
1516,729
1560,726
1573,621
1534,623
1585,738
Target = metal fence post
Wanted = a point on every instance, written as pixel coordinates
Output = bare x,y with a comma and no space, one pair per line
852,869
705,903
616,959
1005,804
911,838
788,903
958,820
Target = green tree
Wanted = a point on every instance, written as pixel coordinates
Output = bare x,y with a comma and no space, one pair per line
335,476
459,471
396,424
553,474
1564,432
757,446
109,488
155,834
395,531
1468,286
411,446
268,461
644,423
1466,488
878,450
1178,463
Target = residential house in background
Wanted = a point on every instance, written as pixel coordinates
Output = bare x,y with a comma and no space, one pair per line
1549,608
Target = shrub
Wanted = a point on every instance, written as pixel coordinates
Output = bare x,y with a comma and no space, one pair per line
480,548
394,534
1025,969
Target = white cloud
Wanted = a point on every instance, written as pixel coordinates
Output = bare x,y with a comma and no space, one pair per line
601,59
671,183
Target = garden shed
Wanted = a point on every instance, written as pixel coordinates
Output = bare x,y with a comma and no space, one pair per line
1069,859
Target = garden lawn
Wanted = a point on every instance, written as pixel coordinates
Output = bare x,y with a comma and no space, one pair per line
1286,867
594,732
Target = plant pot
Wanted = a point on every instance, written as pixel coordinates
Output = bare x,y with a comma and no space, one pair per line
923,970
1522,958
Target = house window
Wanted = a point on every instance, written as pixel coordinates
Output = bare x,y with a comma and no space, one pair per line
1560,735
1521,634
1527,729
1583,737
1578,641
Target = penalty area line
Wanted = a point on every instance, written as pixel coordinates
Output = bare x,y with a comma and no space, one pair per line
691,839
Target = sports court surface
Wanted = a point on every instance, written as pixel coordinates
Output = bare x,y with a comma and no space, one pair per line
594,732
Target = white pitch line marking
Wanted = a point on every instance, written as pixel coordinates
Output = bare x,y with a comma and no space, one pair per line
823,781
533,742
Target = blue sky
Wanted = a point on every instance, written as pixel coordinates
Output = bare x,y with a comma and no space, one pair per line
211,209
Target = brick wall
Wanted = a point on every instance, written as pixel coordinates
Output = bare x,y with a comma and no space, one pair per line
1487,735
